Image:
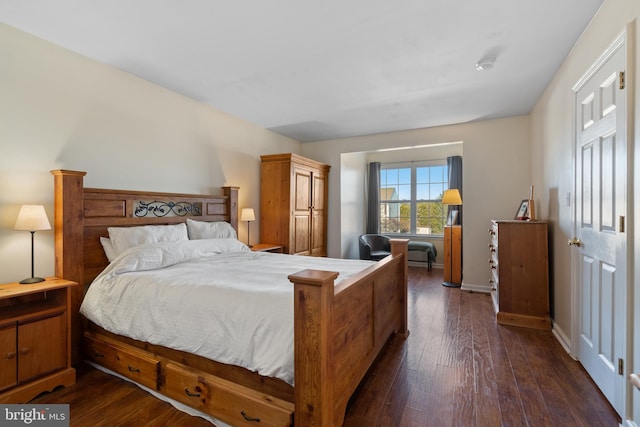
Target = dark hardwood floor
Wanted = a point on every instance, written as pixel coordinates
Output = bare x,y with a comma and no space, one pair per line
457,368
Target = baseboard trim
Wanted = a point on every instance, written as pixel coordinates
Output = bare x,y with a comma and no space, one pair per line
423,264
470,287
562,338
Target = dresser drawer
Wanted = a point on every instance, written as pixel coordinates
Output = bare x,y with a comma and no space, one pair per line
227,401
133,363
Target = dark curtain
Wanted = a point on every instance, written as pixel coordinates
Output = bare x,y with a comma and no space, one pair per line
454,164
373,198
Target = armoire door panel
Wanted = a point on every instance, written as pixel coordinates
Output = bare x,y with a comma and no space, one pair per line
301,235
302,199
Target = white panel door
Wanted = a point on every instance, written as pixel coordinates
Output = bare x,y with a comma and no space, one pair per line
601,209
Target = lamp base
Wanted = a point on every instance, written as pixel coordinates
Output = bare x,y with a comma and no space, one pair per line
31,280
451,284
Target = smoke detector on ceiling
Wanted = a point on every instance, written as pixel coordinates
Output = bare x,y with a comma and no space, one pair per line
485,64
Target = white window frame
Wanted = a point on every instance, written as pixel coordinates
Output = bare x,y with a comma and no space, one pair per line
413,202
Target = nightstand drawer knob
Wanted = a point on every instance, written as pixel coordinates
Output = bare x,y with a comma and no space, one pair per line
10,355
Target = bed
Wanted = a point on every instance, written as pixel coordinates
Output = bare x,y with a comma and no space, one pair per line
339,327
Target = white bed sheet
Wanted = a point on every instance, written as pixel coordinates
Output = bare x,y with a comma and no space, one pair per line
214,298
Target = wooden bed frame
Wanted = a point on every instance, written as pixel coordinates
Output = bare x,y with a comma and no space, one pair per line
338,330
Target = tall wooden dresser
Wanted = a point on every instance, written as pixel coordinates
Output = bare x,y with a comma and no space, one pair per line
519,263
293,203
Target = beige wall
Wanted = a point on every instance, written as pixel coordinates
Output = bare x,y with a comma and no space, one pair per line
62,110
552,138
495,180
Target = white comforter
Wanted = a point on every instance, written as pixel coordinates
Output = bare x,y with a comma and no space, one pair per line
214,298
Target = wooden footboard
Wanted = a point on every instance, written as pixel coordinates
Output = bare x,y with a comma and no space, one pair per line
339,331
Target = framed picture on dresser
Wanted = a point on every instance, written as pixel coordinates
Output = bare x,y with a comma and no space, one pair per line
523,210
452,218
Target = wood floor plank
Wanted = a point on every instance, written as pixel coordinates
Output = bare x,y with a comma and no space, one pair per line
393,409
464,400
509,398
568,384
456,368
487,393
378,383
533,403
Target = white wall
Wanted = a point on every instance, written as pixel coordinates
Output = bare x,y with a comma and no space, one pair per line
353,169
59,110
552,138
495,179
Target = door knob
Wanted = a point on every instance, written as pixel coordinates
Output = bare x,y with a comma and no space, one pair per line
574,242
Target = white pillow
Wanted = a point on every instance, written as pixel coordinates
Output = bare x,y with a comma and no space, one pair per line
109,250
210,230
124,238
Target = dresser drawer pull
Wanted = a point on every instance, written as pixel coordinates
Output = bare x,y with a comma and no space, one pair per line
10,355
132,369
25,350
186,390
248,418
97,354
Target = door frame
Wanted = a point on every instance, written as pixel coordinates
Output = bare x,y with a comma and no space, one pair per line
623,40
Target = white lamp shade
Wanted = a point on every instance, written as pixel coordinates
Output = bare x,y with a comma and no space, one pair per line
32,218
247,214
452,197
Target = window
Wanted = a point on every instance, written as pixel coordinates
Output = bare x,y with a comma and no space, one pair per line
410,198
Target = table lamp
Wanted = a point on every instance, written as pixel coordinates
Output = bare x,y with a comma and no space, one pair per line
248,215
32,218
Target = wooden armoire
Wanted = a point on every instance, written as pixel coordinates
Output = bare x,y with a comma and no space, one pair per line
293,203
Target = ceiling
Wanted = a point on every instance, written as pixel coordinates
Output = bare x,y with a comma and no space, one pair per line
317,70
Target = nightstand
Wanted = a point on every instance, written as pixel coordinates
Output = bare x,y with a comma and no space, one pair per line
267,247
35,340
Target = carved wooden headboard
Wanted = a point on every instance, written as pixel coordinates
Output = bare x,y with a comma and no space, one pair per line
82,216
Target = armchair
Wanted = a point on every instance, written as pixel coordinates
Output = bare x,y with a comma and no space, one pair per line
374,246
